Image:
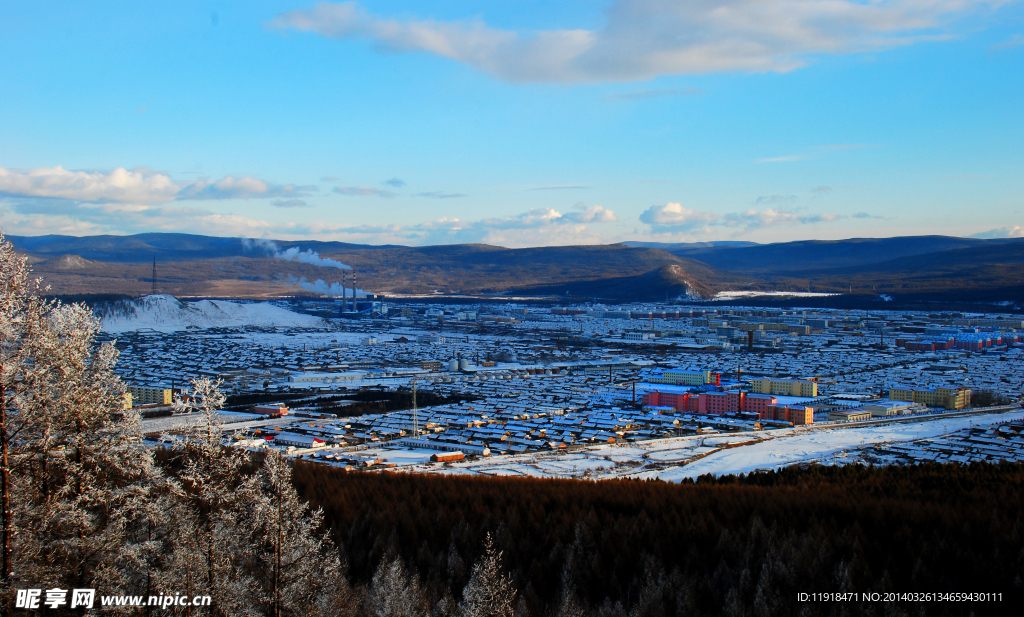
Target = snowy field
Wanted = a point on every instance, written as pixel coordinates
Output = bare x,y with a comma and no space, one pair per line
789,447
692,456
165,313
733,295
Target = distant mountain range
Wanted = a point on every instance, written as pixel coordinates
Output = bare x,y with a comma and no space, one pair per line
914,268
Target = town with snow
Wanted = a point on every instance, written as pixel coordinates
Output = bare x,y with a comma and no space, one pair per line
581,391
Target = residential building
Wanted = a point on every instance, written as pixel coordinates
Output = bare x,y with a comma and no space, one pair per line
784,387
796,414
717,403
947,398
150,396
681,377
758,403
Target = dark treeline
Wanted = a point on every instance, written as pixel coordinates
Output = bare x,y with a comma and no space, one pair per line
732,546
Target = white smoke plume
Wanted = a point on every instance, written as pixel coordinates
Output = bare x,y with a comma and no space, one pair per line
308,256
322,288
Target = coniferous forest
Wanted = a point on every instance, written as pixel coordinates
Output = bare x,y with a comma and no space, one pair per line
728,546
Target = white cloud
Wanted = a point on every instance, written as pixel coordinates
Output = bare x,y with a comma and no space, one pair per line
33,218
363,191
132,187
591,214
119,185
674,217
1015,231
643,39
239,188
537,227
770,217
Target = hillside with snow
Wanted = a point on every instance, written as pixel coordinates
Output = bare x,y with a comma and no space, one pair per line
166,313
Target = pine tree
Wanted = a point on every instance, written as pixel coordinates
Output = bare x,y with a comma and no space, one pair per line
296,567
211,544
394,592
489,593
77,484
21,312
245,538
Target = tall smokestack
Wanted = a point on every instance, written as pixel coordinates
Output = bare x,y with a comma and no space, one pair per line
154,275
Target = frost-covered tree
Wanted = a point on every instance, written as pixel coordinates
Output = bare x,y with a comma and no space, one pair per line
489,592
296,567
211,541
244,537
78,487
21,313
394,592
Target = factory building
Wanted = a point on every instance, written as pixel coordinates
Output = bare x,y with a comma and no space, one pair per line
947,398
784,387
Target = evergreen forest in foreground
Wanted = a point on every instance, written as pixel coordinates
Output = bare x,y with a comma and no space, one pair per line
728,546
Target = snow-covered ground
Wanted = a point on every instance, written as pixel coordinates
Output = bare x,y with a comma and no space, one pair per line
789,447
165,313
689,457
732,295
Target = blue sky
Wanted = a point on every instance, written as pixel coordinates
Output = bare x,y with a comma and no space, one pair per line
515,123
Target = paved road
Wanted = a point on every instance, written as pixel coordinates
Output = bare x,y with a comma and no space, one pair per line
231,421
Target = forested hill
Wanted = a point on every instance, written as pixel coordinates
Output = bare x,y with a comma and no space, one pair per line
919,268
726,546
201,265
